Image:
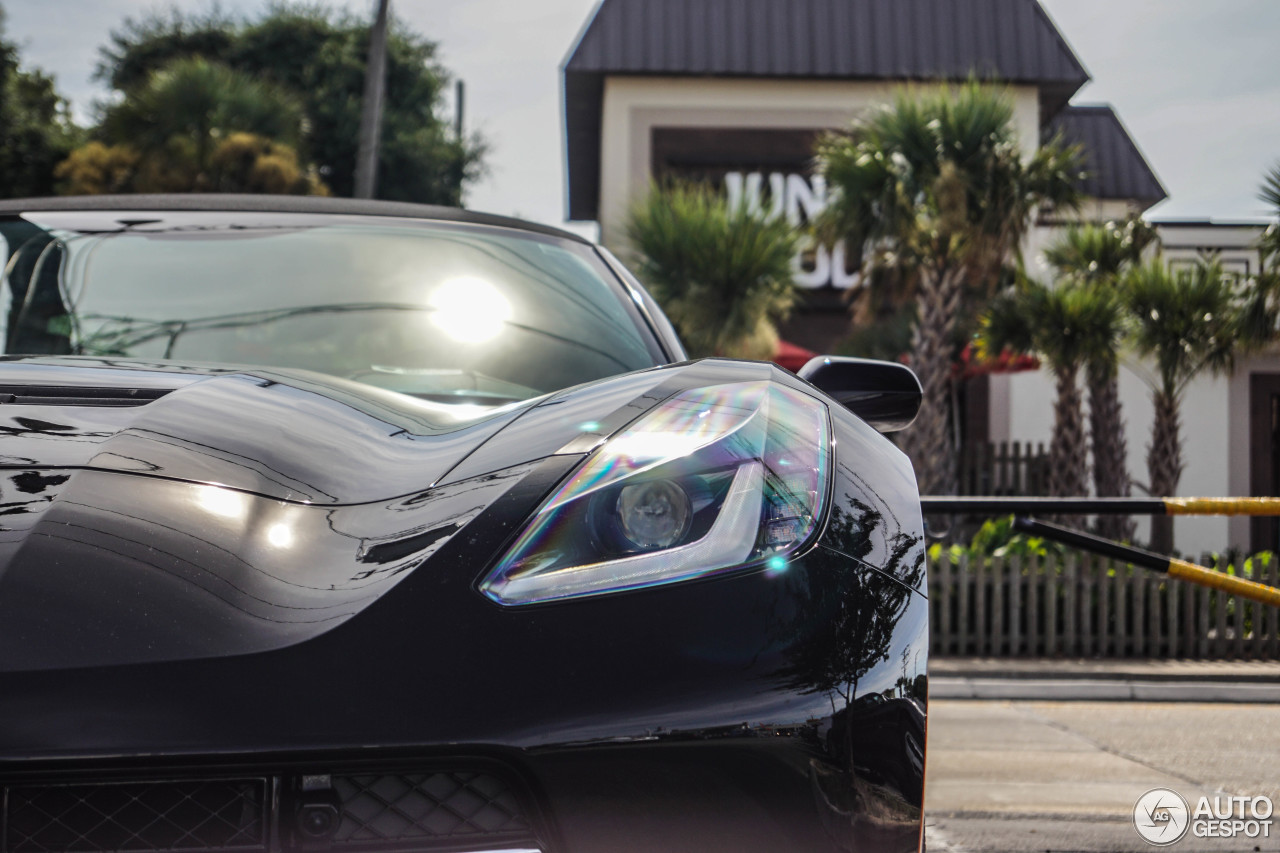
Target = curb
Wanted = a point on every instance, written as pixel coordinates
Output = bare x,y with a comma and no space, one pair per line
1076,669
1102,690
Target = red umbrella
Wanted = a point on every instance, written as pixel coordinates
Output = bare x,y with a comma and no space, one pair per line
791,356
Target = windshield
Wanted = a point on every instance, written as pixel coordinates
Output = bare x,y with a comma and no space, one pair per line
444,311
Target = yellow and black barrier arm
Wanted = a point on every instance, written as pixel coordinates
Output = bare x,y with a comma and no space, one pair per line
1171,566
1100,506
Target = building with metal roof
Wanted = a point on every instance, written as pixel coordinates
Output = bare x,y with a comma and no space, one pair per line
1115,169
734,92
804,40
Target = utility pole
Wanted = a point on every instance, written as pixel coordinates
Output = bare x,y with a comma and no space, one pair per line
459,109
375,83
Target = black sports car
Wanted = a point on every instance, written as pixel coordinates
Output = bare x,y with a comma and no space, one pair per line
339,526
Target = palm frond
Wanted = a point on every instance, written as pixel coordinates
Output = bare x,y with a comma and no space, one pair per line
938,177
1097,254
1193,319
1270,190
1004,326
1269,245
724,276
1064,326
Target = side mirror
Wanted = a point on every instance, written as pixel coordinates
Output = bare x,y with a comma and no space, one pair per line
884,394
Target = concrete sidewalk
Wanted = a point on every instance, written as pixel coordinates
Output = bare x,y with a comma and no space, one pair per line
1064,776
1104,680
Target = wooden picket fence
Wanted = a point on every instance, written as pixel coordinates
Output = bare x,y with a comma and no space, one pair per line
1086,606
1005,469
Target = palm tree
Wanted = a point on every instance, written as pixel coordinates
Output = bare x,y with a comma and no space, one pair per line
1189,320
935,188
1270,193
1095,257
1098,254
722,275
1060,326
1107,437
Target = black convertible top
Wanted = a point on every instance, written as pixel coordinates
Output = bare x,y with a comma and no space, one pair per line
275,204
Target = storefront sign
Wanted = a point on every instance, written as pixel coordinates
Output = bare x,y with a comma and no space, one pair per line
800,199
769,170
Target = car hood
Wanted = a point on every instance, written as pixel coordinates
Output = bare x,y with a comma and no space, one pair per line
288,435
160,512
154,513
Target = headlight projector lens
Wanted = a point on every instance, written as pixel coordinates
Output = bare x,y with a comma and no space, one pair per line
656,514
750,457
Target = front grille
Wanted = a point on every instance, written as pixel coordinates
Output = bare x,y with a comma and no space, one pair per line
466,806
136,816
406,807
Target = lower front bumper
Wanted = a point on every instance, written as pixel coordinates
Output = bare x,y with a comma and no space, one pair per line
762,793
738,792
319,804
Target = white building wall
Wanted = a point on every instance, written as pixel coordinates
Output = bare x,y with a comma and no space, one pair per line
1234,245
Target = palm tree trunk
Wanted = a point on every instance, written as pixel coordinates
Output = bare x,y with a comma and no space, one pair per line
1164,464
1110,448
204,140
928,441
1067,462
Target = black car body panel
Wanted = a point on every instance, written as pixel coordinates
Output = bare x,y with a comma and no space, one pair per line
257,432
247,600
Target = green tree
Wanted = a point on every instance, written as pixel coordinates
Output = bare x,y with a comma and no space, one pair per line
722,275
1189,321
1062,326
180,115
98,169
194,126
36,130
1095,257
248,163
320,56
937,189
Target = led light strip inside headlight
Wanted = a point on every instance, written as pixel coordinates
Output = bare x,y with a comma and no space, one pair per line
714,479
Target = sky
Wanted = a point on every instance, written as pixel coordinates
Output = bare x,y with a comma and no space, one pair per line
1196,82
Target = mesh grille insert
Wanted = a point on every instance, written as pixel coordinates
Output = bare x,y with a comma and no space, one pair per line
225,814
388,808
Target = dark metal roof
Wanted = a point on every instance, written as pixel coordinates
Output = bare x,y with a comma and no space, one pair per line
1116,168
1013,40
233,203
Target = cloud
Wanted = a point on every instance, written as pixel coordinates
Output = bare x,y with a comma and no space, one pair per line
1196,82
